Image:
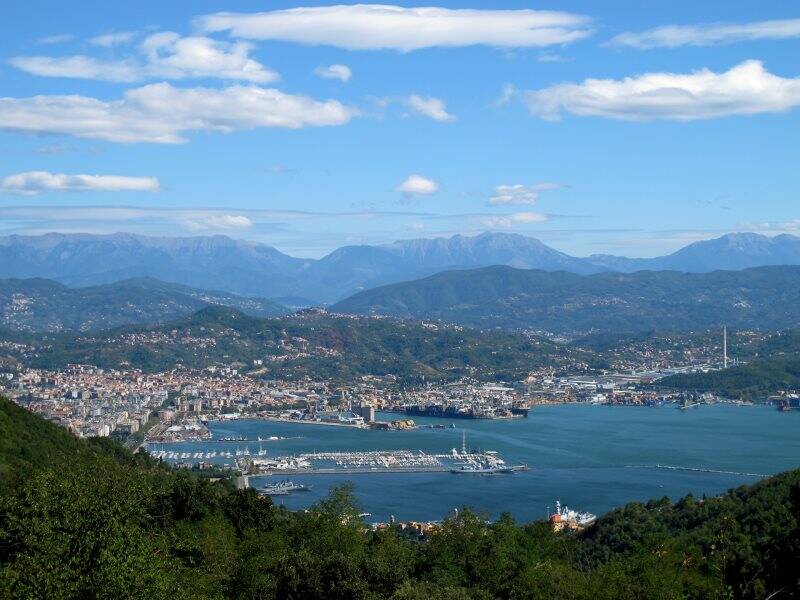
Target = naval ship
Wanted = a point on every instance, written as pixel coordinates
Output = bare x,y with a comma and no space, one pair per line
284,488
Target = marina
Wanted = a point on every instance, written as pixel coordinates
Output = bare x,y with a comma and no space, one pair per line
260,462
397,461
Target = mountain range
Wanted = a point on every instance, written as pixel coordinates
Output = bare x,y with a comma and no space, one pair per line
253,269
504,297
46,305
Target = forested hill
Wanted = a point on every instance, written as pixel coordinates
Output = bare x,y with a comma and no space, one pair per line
312,343
753,381
107,524
765,297
28,442
45,305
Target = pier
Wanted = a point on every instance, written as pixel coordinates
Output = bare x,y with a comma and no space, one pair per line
356,470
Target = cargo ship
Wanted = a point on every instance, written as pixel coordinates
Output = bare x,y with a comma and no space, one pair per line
460,412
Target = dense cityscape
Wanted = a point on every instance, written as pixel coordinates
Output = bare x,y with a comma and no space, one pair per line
92,401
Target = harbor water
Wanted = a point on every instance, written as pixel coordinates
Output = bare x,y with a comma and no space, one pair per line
593,458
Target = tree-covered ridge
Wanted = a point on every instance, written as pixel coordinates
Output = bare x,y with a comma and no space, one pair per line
107,524
765,298
755,380
313,343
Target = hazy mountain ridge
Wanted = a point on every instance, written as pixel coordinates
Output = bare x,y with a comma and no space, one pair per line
46,305
764,297
209,262
733,251
254,269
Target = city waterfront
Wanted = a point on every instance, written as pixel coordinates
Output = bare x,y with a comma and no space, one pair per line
592,457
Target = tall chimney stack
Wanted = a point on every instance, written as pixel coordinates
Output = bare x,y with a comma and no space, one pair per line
725,346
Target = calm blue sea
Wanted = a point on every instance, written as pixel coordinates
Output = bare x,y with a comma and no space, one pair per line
592,458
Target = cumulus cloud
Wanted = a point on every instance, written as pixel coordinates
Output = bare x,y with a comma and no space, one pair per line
115,38
32,183
218,222
378,26
417,185
163,55
173,56
433,108
512,220
745,89
161,113
675,36
340,72
520,194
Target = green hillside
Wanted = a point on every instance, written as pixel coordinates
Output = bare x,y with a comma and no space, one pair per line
765,298
104,524
314,344
28,442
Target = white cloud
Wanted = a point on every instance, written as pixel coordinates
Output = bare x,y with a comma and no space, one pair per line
164,55
32,183
791,227
674,36
551,57
433,108
520,194
55,39
114,38
512,220
417,185
508,93
161,113
745,89
79,66
217,222
377,26
340,72
173,56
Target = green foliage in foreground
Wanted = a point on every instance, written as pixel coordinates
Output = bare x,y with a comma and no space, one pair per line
105,524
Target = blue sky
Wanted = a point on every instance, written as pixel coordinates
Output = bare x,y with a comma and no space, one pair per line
614,127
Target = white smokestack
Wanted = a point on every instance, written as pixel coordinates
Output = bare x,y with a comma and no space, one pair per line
725,347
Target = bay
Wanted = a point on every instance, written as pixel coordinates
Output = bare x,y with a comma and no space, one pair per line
593,458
